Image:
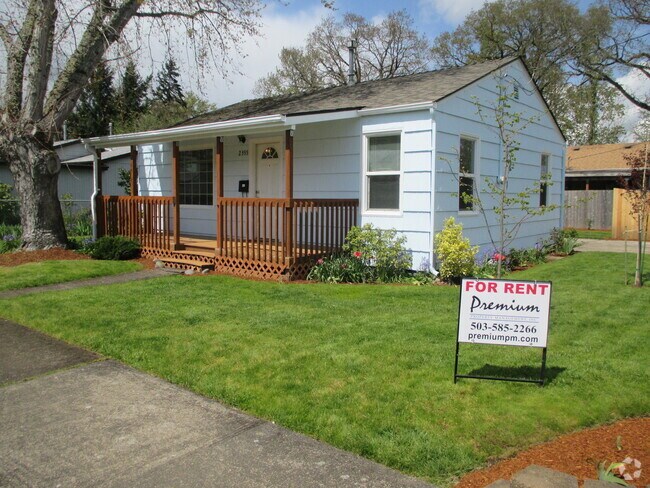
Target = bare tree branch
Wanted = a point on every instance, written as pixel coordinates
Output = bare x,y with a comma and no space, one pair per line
5,37
40,60
104,29
16,58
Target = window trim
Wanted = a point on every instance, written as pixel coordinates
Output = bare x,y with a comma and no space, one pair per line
475,175
546,185
183,147
365,173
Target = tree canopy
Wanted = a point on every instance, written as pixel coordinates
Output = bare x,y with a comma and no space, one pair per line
389,48
551,36
51,48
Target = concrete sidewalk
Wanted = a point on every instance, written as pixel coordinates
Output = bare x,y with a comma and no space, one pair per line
598,245
101,423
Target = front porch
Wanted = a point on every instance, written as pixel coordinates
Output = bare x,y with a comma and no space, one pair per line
256,237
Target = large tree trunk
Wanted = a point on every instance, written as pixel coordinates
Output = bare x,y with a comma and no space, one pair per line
35,167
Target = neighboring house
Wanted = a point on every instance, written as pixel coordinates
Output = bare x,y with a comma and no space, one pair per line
598,167
592,175
76,176
264,187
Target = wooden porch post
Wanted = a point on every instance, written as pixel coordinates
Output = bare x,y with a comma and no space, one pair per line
134,171
220,213
175,194
288,186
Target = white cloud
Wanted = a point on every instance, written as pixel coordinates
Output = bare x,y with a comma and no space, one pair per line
636,84
453,11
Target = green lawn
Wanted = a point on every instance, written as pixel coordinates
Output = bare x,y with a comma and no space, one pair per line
50,272
369,368
594,234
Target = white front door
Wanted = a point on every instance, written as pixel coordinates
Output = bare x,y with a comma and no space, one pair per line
268,184
268,171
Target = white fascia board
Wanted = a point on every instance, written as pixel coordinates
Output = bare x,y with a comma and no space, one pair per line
409,107
229,127
321,117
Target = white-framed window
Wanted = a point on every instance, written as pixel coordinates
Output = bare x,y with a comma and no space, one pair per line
383,172
466,174
543,178
196,177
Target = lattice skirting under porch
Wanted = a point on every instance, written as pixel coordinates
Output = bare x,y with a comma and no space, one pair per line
236,266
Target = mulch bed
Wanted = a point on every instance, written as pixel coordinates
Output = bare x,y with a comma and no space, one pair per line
23,257
577,454
57,254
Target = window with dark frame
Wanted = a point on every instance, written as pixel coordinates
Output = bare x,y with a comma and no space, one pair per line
196,177
543,185
467,175
383,172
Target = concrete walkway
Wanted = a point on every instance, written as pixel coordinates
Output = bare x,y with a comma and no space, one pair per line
102,280
596,245
100,423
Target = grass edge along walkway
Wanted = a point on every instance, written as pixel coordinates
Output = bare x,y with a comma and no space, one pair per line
51,273
368,368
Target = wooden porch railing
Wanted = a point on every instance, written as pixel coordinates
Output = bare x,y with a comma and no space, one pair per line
146,219
272,230
278,230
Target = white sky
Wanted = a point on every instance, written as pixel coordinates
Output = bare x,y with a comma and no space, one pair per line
454,11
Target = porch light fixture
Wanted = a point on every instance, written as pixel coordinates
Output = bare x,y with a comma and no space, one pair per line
242,139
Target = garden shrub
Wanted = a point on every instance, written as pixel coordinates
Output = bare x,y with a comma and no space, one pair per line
383,250
78,223
10,238
341,268
114,248
563,241
455,253
9,209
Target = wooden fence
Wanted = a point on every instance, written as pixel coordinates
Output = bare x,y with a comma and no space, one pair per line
622,220
588,209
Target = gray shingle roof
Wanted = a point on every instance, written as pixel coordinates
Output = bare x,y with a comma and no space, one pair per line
430,86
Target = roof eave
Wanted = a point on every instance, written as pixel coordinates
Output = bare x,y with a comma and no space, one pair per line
188,132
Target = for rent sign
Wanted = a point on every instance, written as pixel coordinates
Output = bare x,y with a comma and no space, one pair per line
504,312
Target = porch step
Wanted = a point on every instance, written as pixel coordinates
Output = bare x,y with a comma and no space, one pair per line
196,252
178,262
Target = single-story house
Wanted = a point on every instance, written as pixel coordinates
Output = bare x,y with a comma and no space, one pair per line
264,187
598,166
76,176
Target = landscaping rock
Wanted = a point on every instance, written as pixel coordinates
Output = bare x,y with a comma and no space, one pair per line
540,477
188,272
499,484
205,271
598,484
158,263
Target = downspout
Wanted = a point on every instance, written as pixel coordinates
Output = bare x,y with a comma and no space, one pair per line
563,173
93,198
432,192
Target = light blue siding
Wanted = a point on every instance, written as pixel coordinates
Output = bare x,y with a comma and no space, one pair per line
458,115
414,218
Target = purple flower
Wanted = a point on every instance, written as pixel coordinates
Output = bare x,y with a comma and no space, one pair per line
8,237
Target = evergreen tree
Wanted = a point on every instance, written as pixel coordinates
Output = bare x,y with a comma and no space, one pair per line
168,88
132,95
96,107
